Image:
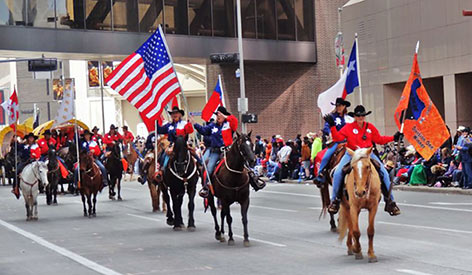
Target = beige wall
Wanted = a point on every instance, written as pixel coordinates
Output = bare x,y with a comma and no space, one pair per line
388,31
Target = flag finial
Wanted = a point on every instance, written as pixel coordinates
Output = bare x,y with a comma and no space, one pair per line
417,47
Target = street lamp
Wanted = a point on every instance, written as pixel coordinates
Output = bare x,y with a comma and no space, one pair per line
242,101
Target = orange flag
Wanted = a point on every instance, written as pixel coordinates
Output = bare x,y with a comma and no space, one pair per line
423,126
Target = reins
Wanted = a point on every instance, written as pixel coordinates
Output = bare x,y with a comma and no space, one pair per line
185,179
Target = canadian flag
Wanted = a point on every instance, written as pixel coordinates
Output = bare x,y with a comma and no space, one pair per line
12,109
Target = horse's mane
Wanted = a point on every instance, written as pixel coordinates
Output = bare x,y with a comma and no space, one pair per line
360,154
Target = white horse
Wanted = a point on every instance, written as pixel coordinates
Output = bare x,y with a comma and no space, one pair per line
29,184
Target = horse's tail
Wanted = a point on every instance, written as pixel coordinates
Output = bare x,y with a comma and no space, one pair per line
344,217
325,200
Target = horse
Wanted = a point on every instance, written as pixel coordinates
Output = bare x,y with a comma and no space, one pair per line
363,192
9,164
181,175
324,187
69,155
230,183
90,182
29,183
114,167
131,156
54,175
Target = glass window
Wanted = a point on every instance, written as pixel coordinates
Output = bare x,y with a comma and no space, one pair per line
223,18
11,13
125,16
70,14
285,20
151,15
305,11
175,16
266,19
199,17
248,16
98,14
37,13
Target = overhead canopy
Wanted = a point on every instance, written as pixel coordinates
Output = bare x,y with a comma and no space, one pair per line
48,125
7,133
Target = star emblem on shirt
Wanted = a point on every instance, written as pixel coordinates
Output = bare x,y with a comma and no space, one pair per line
171,128
337,121
214,130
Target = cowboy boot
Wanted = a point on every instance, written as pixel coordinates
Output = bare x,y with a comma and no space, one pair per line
15,188
390,205
333,207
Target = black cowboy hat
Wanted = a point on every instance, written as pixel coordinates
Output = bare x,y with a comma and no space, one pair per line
176,109
31,135
223,111
125,127
113,127
359,111
341,101
86,132
47,132
95,128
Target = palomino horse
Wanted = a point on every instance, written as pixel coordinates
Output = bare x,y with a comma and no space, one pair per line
29,184
324,187
131,157
54,175
363,192
230,183
114,167
181,175
90,182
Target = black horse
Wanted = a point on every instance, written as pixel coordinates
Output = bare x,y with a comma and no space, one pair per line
231,184
114,167
9,164
69,155
54,176
180,174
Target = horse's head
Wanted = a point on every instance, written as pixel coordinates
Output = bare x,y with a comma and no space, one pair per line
361,170
244,145
181,159
86,161
42,172
51,152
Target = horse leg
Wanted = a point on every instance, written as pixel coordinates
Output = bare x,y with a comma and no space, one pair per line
356,233
370,233
48,195
177,206
35,207
230,221
166,197
347,216
111,189
223,215
118,186
191,206
244,209
83,202
332,222
154,197
89,202
94,204
211,203
55,195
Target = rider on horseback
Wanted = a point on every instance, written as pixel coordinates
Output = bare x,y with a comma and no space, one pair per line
112,137
361,134
28,152
89,145
45,142
221,136
340,117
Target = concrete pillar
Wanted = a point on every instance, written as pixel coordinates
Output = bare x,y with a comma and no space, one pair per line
450,101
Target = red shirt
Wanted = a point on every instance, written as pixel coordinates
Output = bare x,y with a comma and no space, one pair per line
354,134
44,144
92,145
96,137
128,137
229,127
108,138
35,151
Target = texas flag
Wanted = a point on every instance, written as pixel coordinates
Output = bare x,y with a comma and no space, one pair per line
216,100
344,86
12,109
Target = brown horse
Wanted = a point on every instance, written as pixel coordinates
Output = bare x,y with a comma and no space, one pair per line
54,176
90,182
114,167
231,184
131,157
324,187
363,192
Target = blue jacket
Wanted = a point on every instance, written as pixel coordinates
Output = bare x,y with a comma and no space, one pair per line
339,120
174,129
212,133
464,152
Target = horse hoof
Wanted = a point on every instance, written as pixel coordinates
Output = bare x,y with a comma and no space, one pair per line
120,199
373,259
111,197
334,229
177,228
230,242
155,210
170,222
350,253
359,256
218,236
85,215
28,219
94,215
247,243
222,239
34,218
191,228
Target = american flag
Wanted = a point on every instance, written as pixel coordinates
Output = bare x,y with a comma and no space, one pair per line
147,78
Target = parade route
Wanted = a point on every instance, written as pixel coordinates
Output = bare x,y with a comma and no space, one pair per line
432,236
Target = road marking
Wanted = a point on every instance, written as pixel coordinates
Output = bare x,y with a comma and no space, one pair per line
452,203
261,241
427,227
315,208
436,207
414,272
272,208
291,194
144,217
60,250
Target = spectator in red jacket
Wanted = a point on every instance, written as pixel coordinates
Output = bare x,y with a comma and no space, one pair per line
111,137
45,142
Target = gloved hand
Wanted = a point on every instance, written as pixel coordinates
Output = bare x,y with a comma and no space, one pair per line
329,119
398,136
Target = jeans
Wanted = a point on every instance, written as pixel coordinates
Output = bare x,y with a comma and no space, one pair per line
467,174
327,156
339,175
211,157
271,168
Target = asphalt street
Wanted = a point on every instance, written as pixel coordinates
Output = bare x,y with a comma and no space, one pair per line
432,236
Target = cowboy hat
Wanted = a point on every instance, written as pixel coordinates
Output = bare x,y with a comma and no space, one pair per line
359,111
31,135
223,111
176,109
95,128
341,101
125,127
112,127
86,132
47,132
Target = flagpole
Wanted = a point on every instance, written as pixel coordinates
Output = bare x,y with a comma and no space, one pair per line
404,111
76,136
16,145
222,92
358,68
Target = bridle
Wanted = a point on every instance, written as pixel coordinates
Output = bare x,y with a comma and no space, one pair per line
182,178
238,149
367,184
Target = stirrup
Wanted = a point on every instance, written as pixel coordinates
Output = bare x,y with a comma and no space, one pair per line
257,183
391,208
333,207
204,192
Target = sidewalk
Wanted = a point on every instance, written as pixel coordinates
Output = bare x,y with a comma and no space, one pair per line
444,190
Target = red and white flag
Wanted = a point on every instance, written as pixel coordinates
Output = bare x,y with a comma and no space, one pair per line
216,100
147,78
12,109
